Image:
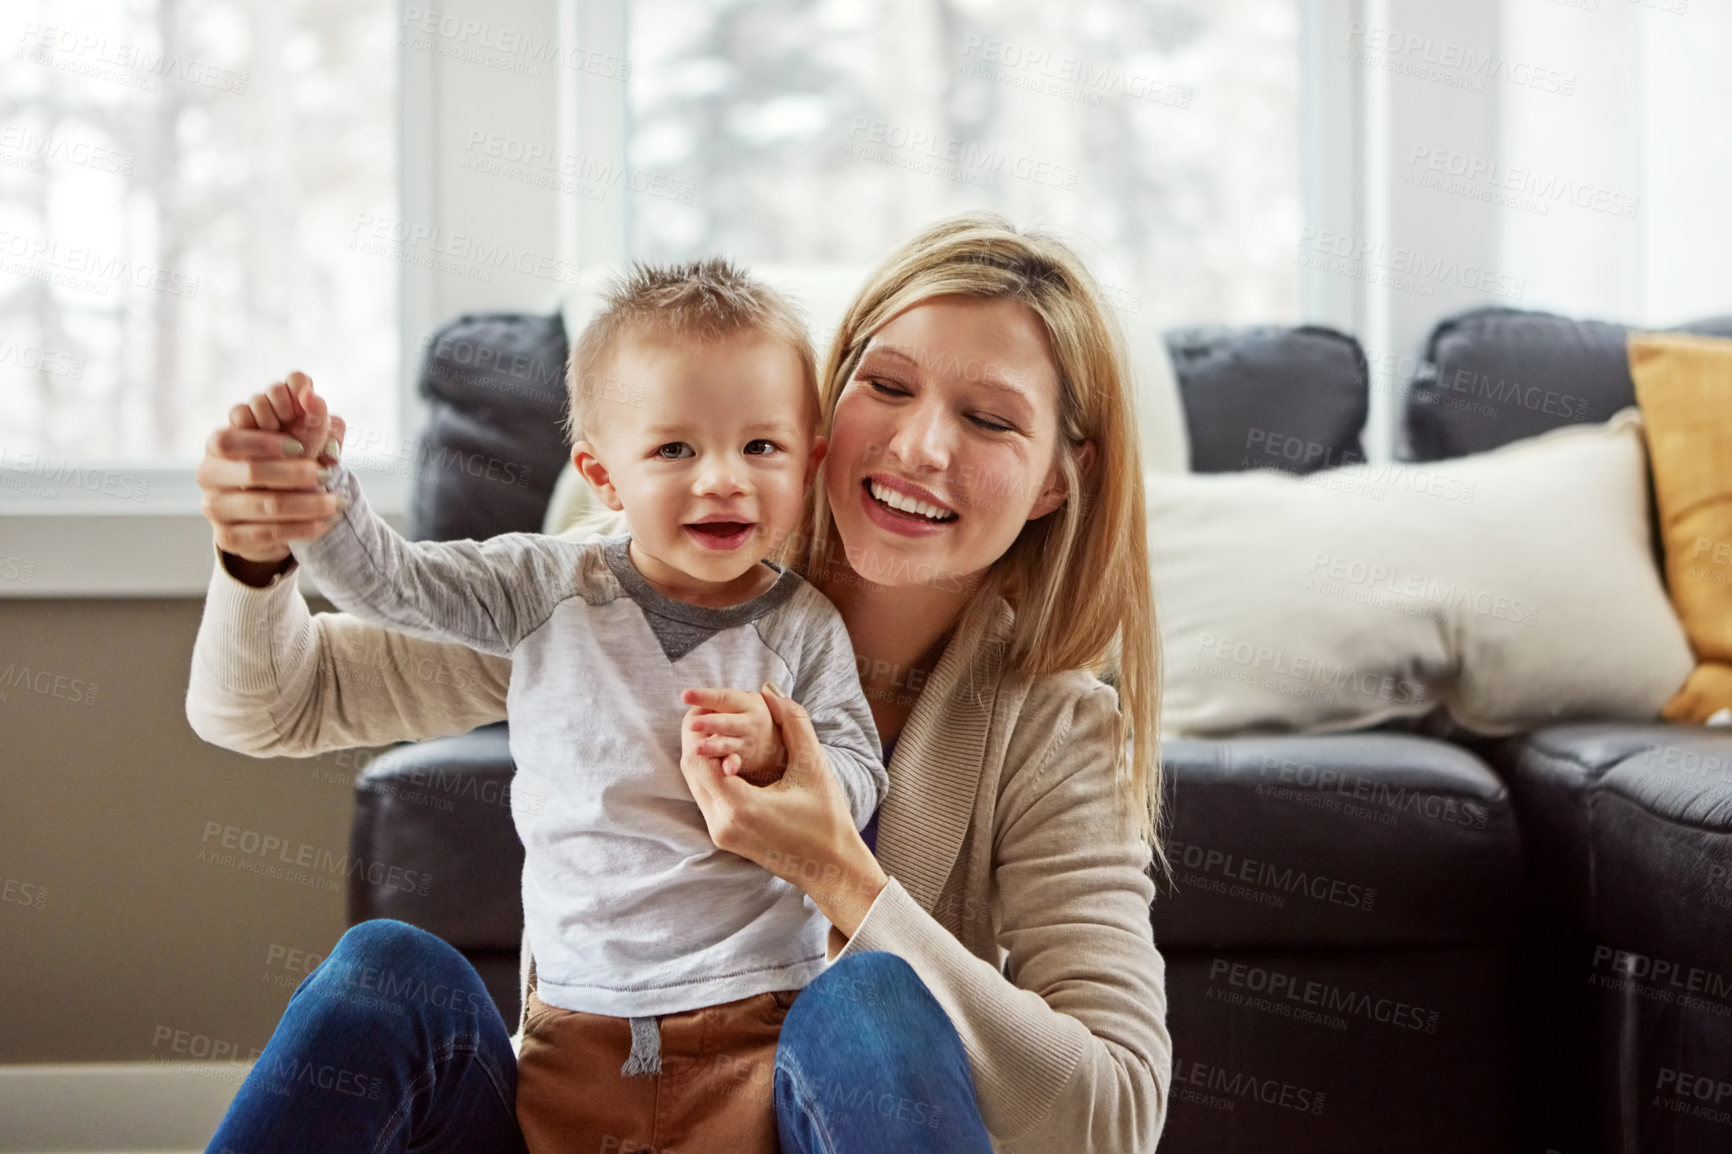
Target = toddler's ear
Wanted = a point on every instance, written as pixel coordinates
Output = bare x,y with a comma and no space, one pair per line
583,458
820,447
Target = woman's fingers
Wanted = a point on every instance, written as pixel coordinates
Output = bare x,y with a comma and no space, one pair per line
334,445
269,506
216,475
241,417
254,541
798,736
229,443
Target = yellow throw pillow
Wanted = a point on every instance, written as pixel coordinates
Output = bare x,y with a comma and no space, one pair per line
1684,388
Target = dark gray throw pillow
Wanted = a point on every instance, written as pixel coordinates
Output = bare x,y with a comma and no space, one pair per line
493,447
1270,397
1490,376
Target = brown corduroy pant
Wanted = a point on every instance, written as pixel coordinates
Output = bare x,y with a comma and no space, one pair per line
715,1093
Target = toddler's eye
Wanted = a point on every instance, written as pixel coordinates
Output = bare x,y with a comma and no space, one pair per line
680,450
769,447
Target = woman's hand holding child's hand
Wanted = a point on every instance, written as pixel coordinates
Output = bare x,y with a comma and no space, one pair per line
798,826
293,409
734,728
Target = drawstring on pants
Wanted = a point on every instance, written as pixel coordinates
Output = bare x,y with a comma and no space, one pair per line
646,1049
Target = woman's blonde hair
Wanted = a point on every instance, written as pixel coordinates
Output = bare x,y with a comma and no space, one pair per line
1078,578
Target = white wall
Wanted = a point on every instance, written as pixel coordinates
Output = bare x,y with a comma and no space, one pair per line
1567,155
1648,124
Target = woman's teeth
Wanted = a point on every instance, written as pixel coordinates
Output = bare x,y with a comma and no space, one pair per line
906,504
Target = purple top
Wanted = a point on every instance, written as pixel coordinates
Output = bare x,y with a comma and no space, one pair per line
870,833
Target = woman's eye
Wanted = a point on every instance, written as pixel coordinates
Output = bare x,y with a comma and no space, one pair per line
769,447
680,449
887,389
995,426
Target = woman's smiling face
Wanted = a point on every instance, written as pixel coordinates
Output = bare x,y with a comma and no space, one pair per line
952,414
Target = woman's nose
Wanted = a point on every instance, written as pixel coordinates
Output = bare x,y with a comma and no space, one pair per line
921,436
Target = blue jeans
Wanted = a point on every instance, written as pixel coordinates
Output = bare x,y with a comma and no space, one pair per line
393,1044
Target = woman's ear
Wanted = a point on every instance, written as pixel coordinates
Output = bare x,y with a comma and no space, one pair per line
583,456
1054,494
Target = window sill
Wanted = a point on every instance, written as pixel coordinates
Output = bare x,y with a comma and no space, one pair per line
61,541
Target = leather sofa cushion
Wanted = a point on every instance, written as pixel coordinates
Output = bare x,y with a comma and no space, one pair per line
1268,397
443,809
1340,1050
1629,832
1348,840
1490,376
1661,854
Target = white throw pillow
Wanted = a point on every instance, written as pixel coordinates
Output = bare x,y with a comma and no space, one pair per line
1515,587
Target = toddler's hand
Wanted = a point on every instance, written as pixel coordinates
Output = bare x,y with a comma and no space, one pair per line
735,728
294,409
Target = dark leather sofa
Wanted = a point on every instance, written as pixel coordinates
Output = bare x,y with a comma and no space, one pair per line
1408,939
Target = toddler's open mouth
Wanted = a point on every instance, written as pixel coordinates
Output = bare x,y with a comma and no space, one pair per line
721,534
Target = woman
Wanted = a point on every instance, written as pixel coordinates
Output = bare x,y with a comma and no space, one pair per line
993,969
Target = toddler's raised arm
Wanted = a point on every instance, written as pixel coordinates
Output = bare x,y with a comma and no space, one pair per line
486,594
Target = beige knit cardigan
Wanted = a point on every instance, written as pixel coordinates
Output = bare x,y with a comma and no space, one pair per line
1016,892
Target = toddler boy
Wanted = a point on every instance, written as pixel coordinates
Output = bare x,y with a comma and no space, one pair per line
694,410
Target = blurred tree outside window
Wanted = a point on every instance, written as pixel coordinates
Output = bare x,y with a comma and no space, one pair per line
1160,137
179,181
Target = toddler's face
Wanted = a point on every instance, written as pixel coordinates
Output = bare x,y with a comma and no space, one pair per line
709,449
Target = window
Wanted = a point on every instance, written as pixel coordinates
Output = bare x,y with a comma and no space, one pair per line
1160,139
179,184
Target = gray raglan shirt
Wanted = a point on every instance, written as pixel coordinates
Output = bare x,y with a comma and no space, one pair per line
630,908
